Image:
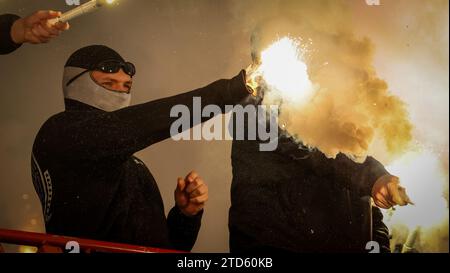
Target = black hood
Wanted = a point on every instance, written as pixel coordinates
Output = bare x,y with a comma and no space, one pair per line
89,56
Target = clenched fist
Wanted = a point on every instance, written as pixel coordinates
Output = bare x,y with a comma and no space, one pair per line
191,194
387,192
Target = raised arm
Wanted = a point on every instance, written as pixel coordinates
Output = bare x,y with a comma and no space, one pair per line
134,128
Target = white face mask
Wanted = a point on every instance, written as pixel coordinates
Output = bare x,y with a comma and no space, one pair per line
84,89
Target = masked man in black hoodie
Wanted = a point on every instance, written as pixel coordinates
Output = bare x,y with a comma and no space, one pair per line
89,183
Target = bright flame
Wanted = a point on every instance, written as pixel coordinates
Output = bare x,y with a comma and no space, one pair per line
425,179
421,173
284,71
109,2
338,104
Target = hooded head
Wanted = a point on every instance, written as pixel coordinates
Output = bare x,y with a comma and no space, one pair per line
98,76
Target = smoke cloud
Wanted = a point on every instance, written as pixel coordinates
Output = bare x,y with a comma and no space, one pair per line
351,105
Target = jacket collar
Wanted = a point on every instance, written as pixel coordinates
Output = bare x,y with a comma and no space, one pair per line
76,106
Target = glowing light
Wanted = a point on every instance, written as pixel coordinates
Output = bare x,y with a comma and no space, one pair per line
81,10
27,249
422,174
284,71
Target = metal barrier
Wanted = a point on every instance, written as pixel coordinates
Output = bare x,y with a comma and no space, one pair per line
46,243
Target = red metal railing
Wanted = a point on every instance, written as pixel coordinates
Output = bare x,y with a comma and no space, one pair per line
56,243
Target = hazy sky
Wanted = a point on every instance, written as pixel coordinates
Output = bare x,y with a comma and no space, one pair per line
179,45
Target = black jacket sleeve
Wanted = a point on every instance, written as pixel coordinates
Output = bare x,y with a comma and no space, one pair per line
359,178
380,231
183,230
134,128
6,43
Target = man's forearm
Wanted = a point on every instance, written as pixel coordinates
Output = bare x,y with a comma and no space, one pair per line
380,231
183,230
7,45
359,178
153,119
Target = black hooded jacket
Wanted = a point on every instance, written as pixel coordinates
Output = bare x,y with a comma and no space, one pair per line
7,45
91,185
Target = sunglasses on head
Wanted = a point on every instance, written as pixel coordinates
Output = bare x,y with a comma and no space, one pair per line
109,66
113,66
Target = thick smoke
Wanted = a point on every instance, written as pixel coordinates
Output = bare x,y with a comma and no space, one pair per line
351,105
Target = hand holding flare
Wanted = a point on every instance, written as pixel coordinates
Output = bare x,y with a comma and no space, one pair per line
87,7
387,192
37,28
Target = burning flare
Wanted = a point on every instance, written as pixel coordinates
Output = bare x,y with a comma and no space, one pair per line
81,10
425,177
284,71
339,106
